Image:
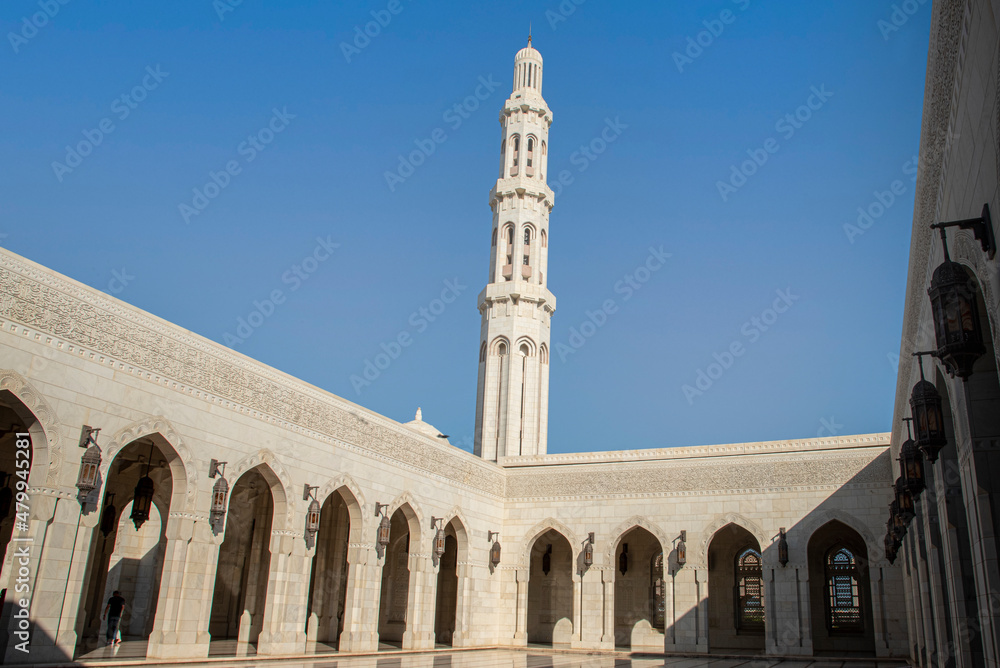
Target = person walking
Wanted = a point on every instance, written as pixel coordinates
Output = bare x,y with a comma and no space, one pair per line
113,613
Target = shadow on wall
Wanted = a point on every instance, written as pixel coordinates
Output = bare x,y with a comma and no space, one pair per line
832,593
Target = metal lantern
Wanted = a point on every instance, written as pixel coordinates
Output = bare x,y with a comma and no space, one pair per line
956,315
682,552
623,560
384,528
928,416
588,550
495,553
891,548
547,559
6,497
142,500
312,518
782,547
90,469
220,495
109,516
904,500
439,540
911,464
896,521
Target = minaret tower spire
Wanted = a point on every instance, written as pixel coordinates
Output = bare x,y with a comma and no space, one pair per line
512,399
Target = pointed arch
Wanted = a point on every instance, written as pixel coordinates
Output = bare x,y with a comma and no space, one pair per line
720,522
171,446
46,438
411,511
628,525
803,532
278,481
350,492
456,519
538,530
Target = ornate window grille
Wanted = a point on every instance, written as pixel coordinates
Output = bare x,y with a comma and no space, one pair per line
843,592
749,592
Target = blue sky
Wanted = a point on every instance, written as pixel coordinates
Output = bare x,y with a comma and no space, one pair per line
330,119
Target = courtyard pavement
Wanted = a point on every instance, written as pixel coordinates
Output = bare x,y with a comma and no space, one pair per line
533,657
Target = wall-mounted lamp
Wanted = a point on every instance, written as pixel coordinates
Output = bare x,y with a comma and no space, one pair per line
904,500
588,550
928,416
384,527
623,560
439,542
142,499
953,300
891,547
547,559
313,514
682,552
495,549
90,463
220,494
911,464
782,547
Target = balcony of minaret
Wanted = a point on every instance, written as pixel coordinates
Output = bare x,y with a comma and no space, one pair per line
524,188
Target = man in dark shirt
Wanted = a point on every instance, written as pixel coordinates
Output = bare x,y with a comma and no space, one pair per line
113,612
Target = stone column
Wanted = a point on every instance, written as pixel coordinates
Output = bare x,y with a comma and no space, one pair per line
186,588
463,604
608,582
521,632
786,609
689,585
364,584
420,603
577,610
283,627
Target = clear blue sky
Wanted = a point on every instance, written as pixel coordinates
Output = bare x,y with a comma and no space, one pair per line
822,364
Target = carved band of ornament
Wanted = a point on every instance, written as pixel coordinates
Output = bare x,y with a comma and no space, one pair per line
55,307
50,492
184,515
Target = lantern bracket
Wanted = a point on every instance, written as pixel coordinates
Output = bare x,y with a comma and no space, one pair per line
435,520
490,535
215,467
309,492
380,508
88,436
982,229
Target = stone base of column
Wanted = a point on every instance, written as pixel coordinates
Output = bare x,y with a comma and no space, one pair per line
174,645
358,642
520,639
277,644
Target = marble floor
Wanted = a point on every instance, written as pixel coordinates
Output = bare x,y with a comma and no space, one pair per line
134,652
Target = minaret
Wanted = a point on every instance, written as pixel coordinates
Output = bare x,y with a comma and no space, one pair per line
512,399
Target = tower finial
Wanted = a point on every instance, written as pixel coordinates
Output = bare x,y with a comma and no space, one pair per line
529,33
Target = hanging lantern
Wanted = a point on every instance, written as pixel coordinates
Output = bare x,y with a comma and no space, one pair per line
547,560
911,465
890,548
439,543
312,518
6,498
495,553
220,493
109,516
956,316
904,500
928,416
142,501
384,528
90,470
682,551
896,521
623,559
782,547
588,551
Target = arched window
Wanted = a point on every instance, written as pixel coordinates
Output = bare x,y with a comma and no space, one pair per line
529,168
502,348
527,236
544,354
843,592
545,239
525,350
482,352
516,145
657,592
749,592
494,238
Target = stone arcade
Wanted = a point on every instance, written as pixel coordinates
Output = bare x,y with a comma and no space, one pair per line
766,548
